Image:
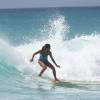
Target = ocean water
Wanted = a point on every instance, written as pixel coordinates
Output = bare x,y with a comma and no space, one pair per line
74,35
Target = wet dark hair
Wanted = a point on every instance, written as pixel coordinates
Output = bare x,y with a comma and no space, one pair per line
46,46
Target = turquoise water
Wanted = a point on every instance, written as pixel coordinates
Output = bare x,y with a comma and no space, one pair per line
74,35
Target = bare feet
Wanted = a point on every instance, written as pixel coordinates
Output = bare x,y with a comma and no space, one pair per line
57,79
39,75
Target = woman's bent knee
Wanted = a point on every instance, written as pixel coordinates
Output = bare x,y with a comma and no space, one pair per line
42,64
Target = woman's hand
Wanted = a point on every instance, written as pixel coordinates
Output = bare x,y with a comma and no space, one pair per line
31,60
58,66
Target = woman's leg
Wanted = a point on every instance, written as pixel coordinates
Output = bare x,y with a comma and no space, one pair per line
53,69
43,67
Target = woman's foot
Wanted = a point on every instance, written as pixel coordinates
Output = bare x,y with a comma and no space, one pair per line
39,75
57,79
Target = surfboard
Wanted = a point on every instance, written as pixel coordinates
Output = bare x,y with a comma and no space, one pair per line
74,84
54,81
66,83
63,83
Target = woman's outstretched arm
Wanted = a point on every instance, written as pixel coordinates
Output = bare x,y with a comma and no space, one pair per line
53,60
34,55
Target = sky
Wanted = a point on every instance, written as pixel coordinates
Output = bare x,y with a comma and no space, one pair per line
46,3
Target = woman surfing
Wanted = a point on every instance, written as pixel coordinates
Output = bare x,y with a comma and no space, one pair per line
43,60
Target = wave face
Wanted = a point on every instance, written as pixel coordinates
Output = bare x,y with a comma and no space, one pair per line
75,46
78,57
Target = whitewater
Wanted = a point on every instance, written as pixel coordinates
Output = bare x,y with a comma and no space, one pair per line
79,58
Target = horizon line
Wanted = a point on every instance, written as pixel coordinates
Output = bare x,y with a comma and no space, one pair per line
50,7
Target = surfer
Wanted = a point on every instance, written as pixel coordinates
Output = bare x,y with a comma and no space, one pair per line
43,60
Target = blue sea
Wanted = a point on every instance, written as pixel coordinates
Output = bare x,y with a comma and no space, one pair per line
74,35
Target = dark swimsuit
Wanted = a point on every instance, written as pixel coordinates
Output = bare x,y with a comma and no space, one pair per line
44,59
